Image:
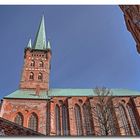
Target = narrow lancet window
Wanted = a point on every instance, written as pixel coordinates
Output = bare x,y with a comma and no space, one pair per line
88,123
57,120
78,119
65,120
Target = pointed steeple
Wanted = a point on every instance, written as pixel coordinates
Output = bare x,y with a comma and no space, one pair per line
49,45
40,40
29,44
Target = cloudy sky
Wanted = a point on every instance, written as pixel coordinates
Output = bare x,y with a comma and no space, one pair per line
90,44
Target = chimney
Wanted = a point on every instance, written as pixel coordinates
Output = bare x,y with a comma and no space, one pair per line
37,90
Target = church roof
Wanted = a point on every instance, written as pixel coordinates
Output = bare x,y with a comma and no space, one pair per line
27,94
30,94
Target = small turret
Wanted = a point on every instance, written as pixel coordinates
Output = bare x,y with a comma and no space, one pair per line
29,44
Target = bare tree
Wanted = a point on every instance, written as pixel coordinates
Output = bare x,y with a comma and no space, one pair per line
105,120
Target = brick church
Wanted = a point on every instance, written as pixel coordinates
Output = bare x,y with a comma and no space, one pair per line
63,112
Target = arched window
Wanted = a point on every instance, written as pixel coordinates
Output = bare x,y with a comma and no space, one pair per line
124,121
57,120
32,63
19,119
40,76
31,77
78,120
133,120
111,123
41,64
33,122
88,119
65,120
100,120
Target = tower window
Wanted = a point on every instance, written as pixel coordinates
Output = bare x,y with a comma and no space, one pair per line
19,119
33,122
40,76
31,76
32,63
41,64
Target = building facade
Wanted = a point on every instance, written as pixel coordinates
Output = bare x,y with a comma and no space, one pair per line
64,112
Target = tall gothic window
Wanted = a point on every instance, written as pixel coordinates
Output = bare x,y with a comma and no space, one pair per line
111,123
124,121
41,64
78,120
33,122
133,120
40,76
88,123
100,120
32,63
19,119
65,120
57,120
31,77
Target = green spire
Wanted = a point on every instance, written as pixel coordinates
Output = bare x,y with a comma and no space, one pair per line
29,44
49,45
40,40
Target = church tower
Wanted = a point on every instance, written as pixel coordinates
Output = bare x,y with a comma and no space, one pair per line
36,69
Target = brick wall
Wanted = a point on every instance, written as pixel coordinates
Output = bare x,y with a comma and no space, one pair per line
11,107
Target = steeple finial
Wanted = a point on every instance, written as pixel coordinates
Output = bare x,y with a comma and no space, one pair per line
29,44
49,45
40,40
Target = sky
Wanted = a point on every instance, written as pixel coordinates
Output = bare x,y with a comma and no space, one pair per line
90,46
